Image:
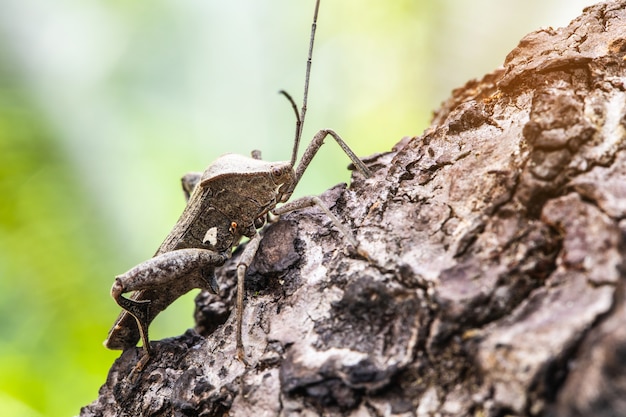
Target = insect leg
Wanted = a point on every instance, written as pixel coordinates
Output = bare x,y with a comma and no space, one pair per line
138,309
189,182
160,271
314,146
244,262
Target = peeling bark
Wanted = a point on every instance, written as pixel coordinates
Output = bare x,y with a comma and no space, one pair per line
496,287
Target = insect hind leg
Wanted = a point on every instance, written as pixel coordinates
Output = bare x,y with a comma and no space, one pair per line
140,310
189,267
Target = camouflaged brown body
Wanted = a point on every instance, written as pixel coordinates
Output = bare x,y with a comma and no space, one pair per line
232,194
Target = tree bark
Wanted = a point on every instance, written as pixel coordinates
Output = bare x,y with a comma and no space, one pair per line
496,280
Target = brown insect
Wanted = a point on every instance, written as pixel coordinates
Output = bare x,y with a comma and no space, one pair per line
229,200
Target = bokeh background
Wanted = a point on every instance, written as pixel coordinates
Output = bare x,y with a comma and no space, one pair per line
105,104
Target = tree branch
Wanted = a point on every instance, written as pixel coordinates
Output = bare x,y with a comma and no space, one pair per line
496,286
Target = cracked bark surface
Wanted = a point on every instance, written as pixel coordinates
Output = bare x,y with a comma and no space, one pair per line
497,287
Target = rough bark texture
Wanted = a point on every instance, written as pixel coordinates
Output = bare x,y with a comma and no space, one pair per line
497,284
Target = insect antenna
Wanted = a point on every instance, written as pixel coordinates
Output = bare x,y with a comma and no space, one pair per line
296,140
300,119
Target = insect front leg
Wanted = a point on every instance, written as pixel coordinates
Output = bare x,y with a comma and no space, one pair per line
186,268
244,262
317,142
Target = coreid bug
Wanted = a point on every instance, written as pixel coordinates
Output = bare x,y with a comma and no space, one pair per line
226,202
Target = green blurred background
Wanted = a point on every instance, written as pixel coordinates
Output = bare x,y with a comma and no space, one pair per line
104,105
